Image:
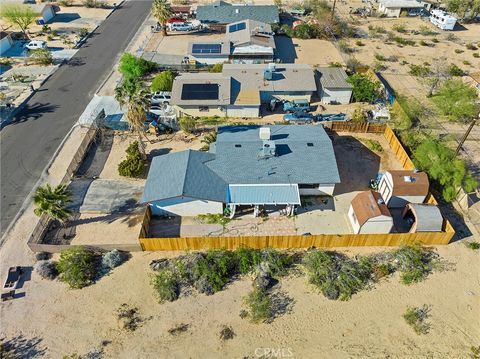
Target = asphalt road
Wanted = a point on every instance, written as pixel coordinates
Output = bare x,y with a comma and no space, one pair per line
29,141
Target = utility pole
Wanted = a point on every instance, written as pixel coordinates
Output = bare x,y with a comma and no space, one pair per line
333,8
474,121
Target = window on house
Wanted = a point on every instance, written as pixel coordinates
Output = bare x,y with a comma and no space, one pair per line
203,109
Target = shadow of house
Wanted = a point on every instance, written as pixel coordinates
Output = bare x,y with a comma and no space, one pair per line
357,164
285,49
65,17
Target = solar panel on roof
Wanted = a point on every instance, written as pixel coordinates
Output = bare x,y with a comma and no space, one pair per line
237,27
200,92
206,48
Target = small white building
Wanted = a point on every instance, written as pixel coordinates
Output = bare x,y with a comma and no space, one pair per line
333,87
394,8
442,19
46,12
369,214
6,41
398,188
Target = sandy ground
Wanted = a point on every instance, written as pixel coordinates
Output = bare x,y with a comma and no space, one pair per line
369,325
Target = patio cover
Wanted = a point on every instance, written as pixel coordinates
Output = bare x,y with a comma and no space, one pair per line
264,194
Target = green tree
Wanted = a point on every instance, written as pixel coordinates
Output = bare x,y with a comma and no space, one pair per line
163,81
162,11
456,100
18,15
464,8
187,124
364,89
439,162
51,202
134,67
134,164
77,267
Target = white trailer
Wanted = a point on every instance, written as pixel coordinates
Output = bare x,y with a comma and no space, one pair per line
442,19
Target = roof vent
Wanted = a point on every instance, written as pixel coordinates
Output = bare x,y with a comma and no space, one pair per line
268,149
309,144
264,133
408,179
237,11
380,201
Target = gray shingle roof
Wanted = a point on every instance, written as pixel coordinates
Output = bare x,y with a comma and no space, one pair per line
295,162
183,174
224,13
333,77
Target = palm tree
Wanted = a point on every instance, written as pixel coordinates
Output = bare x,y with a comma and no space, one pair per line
133,94
162,11
51,202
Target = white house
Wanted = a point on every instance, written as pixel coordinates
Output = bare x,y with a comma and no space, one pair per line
401,187
250,169
6,41
394,8
333,87
442,19
369,214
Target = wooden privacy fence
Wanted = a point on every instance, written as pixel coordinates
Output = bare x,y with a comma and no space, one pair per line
321,240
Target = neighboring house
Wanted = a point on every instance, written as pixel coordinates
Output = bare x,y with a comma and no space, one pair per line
401,187
6,41
240,90
368,213
221,13
248,168
246,41
333,86
423,217
394,8
46,12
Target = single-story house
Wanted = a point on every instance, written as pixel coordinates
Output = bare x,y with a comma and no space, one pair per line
401,187
394,8
6,41
240,89
333,86
368,213
246,41
423,217
220,13
248,167
46,12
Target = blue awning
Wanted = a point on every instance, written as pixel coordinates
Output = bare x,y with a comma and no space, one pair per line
261,194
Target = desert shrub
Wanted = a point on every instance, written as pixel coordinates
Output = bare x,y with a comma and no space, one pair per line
95,4
217,68
113,259
414,262
454,70
373,145
458,51
163,81
214,218
213,271
77,267
473,245
456,100
336,276
471,46
381,270
380,57
187,124
65,2
50,37
278,262
435,40
305,31
359,43
345,47
259,306
41,57
335,64
46,269
424,43
426,31
353,65
364,89
226,333
83,32
166,286
476,55
402,41
178,329
379,66
359,116
420,70
416,318
42,256
466,62
134,164
128,317
247,259
401,28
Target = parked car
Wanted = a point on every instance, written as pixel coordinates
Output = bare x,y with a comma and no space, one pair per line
161,97
179,26
331,117
36,45
299,117
296,106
